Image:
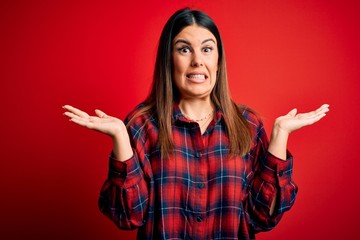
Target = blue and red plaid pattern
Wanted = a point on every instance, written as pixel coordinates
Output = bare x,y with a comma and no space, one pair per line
200,191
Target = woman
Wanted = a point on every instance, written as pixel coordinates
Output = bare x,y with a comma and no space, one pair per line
190,163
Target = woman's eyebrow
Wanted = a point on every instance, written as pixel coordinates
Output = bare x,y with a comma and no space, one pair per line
188,43
208,40
182,41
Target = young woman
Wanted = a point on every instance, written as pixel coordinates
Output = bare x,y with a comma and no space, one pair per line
189,163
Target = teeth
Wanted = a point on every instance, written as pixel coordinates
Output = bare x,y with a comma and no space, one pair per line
197,76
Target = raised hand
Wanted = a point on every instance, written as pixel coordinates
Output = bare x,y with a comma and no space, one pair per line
111,126
101,122
292,121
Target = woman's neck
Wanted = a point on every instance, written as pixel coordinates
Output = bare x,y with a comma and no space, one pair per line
196,109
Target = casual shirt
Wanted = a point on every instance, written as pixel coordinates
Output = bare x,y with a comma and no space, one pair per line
200,191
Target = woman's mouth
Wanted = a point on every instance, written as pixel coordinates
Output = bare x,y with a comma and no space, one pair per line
197,78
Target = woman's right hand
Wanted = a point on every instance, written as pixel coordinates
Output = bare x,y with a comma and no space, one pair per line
111,126
101,122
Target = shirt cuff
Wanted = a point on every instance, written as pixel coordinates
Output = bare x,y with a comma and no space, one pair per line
274,170
124,173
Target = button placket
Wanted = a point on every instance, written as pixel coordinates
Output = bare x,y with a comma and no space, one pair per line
199,184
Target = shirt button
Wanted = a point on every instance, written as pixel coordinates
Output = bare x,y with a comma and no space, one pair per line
281,172
200,185
197,154
199,219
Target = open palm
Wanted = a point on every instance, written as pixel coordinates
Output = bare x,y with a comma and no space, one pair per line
293,121
101,122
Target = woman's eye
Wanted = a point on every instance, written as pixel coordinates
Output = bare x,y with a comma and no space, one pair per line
184,49
207,49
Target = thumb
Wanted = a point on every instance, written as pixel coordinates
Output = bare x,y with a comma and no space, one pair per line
100,113
292,113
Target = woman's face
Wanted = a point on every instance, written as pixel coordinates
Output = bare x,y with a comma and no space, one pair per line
195,59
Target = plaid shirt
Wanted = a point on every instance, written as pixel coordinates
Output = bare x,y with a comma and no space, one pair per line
200,191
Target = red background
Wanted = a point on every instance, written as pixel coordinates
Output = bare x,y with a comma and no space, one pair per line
280,54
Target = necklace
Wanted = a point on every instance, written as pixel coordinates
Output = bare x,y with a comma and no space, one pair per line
205,123
201,119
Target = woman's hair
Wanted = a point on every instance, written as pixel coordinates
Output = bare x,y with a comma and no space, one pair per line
164,92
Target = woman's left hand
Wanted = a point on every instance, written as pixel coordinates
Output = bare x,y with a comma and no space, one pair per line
293,121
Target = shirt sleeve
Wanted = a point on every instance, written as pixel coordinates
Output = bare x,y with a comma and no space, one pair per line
272,177
124,196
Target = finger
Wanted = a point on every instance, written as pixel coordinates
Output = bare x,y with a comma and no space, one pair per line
292,113
100,113
320,111
324,108
82,122
313,114
71,115
76,111
315,119
309,115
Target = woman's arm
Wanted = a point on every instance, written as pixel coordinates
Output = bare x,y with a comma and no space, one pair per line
284,125
124,196
272,191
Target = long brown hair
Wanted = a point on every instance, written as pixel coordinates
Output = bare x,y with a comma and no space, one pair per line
163,93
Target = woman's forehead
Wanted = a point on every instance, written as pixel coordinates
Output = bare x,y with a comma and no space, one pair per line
195,33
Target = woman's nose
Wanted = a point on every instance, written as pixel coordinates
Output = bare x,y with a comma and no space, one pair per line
196,60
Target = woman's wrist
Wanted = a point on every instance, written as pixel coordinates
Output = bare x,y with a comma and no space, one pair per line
122,149
278,142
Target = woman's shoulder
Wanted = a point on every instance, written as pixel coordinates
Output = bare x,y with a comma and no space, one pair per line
255,122
141,115
141,126
252,116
